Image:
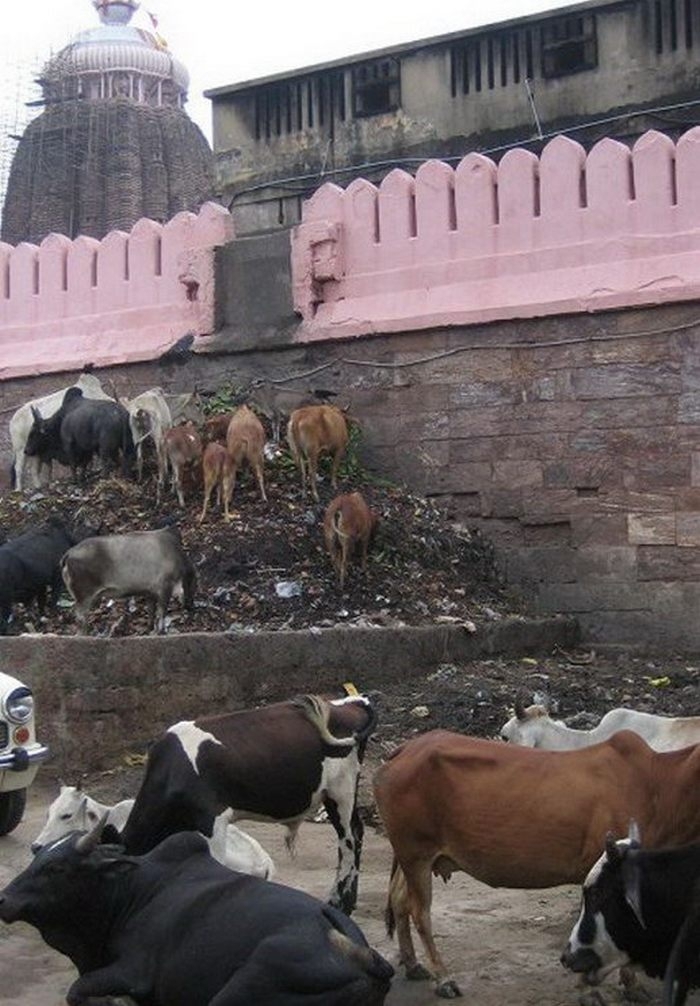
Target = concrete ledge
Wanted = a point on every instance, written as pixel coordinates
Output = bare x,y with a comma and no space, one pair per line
99,698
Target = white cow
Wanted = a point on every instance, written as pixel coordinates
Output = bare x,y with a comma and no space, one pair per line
74,810
23,419
533,727
149,416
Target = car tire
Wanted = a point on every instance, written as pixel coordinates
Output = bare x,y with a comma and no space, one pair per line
12,806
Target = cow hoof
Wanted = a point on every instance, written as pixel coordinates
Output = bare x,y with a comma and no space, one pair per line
448,989
417,973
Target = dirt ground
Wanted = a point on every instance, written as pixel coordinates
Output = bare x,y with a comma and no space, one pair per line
503,946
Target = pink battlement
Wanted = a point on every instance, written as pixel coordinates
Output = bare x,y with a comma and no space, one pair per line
128,297
565,232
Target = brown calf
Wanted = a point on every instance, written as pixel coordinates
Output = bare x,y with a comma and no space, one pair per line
348,524
217,469
245,441
312,429
520,817
216,427
183,447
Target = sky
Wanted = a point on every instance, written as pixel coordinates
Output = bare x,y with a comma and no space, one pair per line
223,42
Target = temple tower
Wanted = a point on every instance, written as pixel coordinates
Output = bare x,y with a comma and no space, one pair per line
113,142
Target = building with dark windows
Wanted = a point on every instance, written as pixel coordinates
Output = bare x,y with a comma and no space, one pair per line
599,68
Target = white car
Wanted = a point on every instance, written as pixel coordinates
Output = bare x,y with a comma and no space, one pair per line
20,753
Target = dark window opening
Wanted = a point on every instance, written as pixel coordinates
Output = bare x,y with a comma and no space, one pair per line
688,15
477,67
490,59
569,45
504,60
376,87
516,59
529,60
658,28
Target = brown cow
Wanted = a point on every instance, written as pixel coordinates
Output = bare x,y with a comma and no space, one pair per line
216,427
245,441
348,524
519,817
217,468
312,429
183,447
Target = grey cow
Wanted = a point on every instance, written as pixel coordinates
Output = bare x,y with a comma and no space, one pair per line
149,564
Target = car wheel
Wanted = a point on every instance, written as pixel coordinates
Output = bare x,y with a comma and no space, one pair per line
12,806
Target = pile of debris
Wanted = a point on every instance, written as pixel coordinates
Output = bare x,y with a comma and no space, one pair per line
268,568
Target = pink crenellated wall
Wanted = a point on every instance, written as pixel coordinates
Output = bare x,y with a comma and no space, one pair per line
123,299
529,237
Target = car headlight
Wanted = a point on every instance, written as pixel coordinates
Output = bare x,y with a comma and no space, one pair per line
19,705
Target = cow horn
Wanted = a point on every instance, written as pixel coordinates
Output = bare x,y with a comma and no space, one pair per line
611,849
520,706
86,843
634,836
633,895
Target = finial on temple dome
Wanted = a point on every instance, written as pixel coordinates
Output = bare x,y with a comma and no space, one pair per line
115,11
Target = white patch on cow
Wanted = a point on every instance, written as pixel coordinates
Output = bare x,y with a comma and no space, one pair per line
191,738
349,699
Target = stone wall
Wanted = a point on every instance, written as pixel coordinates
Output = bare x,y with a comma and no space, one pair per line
99,698
574,442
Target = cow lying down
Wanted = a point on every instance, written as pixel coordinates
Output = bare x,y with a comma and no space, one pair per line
74,810
175,928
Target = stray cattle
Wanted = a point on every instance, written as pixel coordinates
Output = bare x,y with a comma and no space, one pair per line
216,427
636,904
176,928
277,763
149,564
183,448
312,430
217,470
80,429
245,441
149,416
276,401
533,727
23,419
348,525
74,810
516,817
30,565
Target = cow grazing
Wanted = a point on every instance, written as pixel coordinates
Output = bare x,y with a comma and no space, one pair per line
276,401
312,430
637,903
516,817
533,727
348,525
245,441
149,564
278,763
30,565
176,928
149,417
22,421
183,448
217,471
75,810
80,429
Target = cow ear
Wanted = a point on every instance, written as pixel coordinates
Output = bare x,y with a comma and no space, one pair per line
631,876
611,849
36,415
86,843
520,706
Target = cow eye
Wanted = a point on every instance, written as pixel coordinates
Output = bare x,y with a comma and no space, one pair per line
66,817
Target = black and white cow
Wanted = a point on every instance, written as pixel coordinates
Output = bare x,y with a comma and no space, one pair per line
176,928
279,763
634,905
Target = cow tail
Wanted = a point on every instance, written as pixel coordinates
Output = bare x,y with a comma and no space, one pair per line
318,712
389,916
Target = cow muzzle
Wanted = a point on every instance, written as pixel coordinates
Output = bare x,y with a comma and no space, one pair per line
583,961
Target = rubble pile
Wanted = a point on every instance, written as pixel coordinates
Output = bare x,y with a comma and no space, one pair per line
268,568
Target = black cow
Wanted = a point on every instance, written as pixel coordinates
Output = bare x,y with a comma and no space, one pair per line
279,763
30,565
176,928
634,905
80,429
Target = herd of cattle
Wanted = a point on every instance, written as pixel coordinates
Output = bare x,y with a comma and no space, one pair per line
164,900
82,423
